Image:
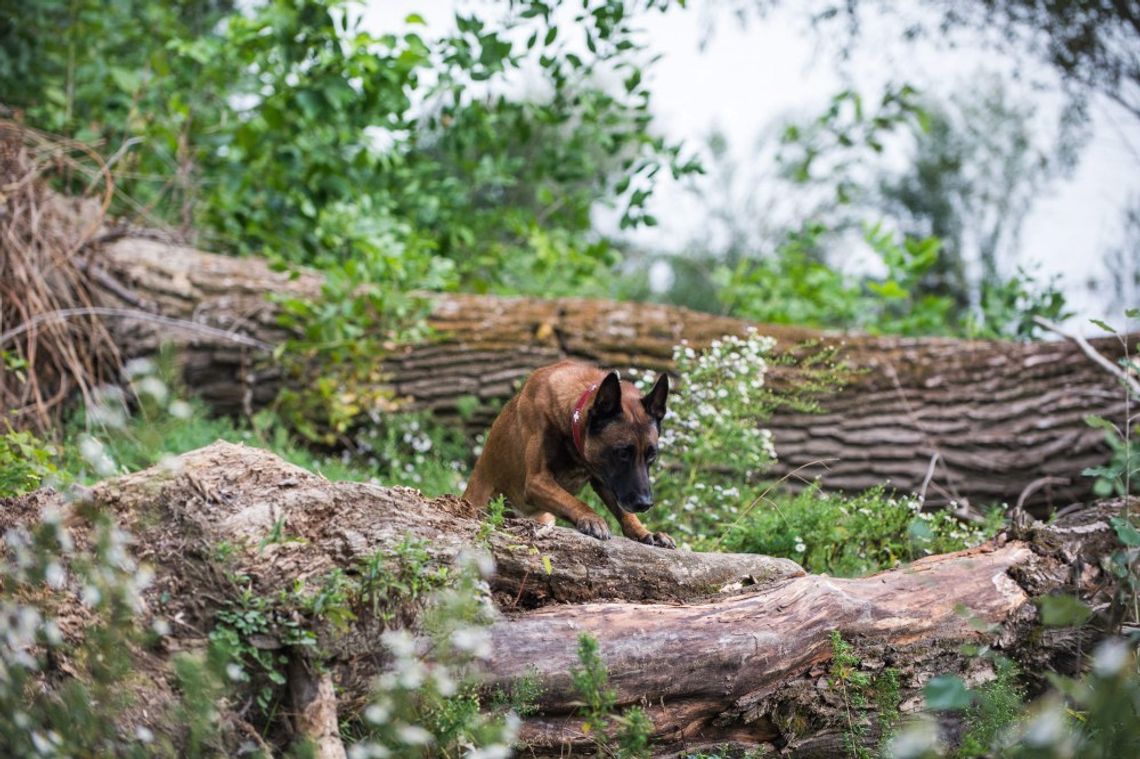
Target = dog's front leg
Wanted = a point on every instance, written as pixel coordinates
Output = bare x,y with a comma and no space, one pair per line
542,492
631,526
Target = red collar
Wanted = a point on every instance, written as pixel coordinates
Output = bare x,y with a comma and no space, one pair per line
576,419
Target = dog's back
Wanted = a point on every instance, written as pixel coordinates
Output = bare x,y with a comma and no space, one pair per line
544,399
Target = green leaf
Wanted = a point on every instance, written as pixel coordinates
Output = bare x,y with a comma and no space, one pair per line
1062,611
1132,313
1104,325
125,79
414,18
946,692
1128,534
891,290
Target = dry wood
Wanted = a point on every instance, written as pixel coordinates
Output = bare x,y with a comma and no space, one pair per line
997,415
314,709
721,649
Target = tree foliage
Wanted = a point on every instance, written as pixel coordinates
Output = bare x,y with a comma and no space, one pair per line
286,128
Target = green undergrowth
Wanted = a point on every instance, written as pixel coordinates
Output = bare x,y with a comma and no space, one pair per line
126,431
851,535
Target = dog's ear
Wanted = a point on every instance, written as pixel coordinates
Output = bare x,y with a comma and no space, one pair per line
654,402
607,401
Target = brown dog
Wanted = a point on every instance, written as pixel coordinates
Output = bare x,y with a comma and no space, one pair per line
569,425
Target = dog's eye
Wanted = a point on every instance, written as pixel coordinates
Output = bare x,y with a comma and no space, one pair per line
625,453
650,454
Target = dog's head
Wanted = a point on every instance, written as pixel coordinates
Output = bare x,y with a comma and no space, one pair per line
622,439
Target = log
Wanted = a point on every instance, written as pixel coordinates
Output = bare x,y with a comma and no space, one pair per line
720,649
994,417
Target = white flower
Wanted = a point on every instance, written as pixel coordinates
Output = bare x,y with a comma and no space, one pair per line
399,642
474,640
377,713
52,633
1110,657
917,739
368,750
1047,727
154,387
511,726
444,684
54,575
482,561
410,673
180,409
137,367
95,454
414,735
494,751
90,595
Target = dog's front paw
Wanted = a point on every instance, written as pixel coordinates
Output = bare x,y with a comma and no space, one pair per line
659,539
595,527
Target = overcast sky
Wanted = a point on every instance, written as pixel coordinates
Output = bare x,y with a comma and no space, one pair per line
747,75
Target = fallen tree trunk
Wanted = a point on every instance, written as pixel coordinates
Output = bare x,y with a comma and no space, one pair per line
721,649
984,419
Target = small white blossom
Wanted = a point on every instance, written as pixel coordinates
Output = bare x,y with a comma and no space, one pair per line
414,735
473,640
154,387
1110,657
399,642
180,409
377,713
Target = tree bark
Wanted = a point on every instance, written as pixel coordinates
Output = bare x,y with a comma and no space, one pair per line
720,649
993,417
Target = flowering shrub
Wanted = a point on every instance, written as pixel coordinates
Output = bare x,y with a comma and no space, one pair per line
714,451
47,575
712,444
428,701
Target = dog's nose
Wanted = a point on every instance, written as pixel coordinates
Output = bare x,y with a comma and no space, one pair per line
641,503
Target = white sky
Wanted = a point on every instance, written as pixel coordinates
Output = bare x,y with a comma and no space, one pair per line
749,74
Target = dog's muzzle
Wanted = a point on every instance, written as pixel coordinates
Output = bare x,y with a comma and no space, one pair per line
638,504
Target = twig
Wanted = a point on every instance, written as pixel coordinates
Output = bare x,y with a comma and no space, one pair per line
929,476
1036,485
1092,353
131,313
1019,520
107,281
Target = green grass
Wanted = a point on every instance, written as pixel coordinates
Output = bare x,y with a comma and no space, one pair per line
113,437
849,536
150,435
